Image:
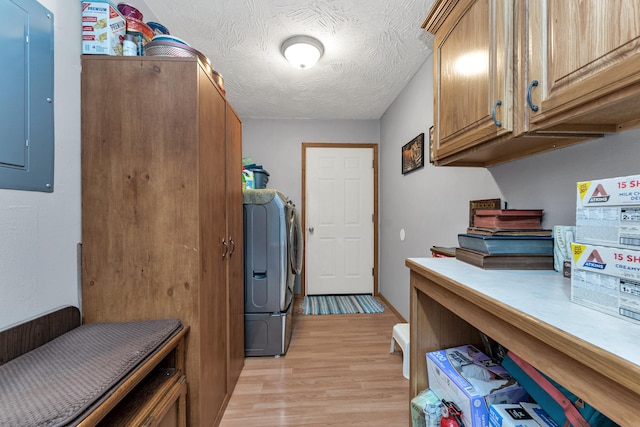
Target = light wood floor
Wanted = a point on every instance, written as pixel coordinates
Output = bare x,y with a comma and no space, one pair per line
337,372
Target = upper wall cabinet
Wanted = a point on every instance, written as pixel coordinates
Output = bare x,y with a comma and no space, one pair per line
514,78
472,74
584,64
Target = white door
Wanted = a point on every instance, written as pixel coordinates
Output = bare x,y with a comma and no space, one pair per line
339,220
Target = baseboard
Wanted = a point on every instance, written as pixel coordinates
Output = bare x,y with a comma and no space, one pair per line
392,308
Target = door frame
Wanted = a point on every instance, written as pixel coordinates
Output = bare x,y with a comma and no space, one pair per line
374,147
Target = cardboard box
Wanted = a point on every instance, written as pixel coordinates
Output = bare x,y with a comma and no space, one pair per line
103,29
510,415
608,212
538,414
620,191
607,280
472,381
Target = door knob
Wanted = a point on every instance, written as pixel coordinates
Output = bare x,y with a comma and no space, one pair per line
311,230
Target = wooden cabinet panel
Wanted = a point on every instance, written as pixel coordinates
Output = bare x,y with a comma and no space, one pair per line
235,232
472,75
155,209
585,56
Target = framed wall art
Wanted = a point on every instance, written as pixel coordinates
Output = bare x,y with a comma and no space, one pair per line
413,154
431,145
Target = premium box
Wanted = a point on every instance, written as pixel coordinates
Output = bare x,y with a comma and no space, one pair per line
607,280
608,212
472,381
510,415
103,28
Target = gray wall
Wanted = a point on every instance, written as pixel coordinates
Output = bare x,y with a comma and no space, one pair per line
277,145
430,204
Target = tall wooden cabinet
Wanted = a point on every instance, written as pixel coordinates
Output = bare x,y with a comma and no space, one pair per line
161,201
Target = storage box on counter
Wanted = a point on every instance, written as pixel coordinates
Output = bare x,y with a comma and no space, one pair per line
472,381
103,28
608,212
607,280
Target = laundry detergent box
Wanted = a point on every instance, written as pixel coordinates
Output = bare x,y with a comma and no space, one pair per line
103,28
472,381
606,279
510,415
608,212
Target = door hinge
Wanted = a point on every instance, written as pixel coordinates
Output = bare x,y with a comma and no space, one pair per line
373,271
373,164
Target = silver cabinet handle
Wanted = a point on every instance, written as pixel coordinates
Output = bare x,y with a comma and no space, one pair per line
311,230
233,246
226,248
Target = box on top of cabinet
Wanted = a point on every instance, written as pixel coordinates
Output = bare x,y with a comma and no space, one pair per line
608,212
103,28
472,381
607,280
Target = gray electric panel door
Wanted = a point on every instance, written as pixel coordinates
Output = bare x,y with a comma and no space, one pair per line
26,96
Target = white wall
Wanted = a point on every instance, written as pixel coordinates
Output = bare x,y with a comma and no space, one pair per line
430,204
39,231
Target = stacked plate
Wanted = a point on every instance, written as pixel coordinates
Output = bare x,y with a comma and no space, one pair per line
167,45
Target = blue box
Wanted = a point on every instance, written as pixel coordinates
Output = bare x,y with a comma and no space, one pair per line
472,381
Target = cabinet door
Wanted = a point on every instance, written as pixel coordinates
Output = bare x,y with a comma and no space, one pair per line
473,74
213,292
235,231
585,58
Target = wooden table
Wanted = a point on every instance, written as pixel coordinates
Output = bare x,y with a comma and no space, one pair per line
594,355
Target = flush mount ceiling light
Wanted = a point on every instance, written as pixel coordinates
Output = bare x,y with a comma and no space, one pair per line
302,51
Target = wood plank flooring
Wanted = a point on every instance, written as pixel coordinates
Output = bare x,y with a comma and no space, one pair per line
337,372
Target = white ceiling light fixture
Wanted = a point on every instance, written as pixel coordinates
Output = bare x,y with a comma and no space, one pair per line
302,51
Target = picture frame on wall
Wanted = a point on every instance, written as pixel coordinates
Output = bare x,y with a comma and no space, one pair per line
431,135
413,154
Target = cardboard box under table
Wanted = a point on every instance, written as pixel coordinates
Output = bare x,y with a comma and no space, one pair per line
472,381
608,212
607,280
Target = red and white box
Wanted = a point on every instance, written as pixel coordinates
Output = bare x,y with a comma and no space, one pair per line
608,212
103,29
607,280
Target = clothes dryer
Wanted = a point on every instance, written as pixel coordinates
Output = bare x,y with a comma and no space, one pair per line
273,259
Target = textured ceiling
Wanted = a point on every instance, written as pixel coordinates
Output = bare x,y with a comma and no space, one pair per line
372,49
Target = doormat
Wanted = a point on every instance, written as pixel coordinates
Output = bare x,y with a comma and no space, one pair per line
341,304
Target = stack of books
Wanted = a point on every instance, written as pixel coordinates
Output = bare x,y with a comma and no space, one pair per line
507,239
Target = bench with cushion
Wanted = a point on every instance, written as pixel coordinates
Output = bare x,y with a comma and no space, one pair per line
56,372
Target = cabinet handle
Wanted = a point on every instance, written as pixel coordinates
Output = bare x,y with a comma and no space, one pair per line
493,113
226,248
233,246
529,100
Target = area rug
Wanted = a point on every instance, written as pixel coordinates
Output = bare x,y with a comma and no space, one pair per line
341,304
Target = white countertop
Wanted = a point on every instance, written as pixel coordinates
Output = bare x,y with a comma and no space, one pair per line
546,296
